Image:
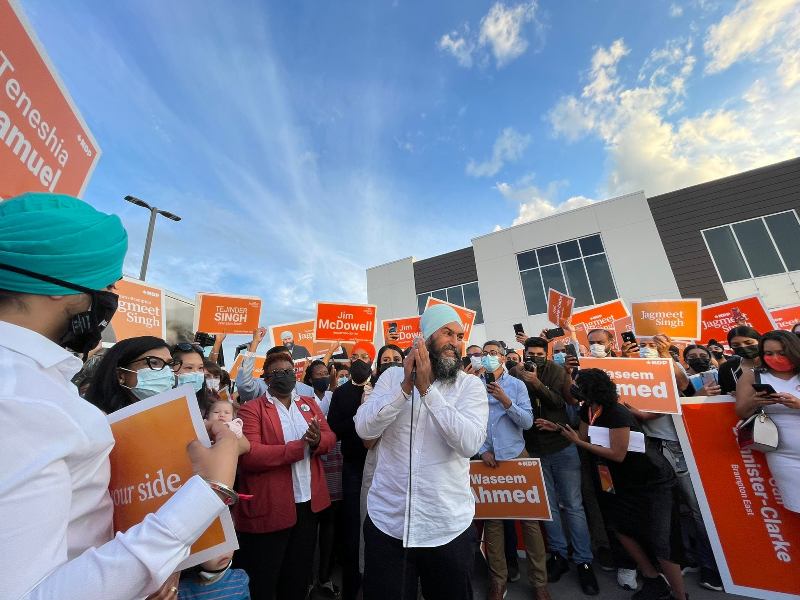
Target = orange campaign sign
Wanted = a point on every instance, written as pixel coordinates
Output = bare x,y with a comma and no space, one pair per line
300,336
140,312
645,383
621,325
717,319
601,316
679,319
45,145
258,366
218,313
401,332
785,318
756,541
513,490
337,322
149,464
559,306
467,315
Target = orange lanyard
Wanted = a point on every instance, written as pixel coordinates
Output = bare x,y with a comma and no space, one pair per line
593,415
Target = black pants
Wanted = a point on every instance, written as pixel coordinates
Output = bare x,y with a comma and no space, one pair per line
391,572
278,563
351,528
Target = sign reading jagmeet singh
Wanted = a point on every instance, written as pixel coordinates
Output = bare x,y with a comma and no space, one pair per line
679,319
45,145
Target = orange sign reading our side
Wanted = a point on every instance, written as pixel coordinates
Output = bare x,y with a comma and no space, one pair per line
140,312
149,463
258,366
47,145
679,319
401,332
559,306
466,315
302,341
218,313
337,322
645,383
601,316
513,490
786,318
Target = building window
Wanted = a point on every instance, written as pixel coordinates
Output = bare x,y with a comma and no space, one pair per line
576,267
756,247
466,295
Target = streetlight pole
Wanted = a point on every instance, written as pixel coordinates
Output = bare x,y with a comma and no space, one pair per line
154,212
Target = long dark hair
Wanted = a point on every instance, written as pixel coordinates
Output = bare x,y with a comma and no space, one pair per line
105,392
743,331
790,343
596,386
377,374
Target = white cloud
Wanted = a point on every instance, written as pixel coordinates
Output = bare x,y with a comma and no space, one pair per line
675,10
759,30
536,203
459,46
648,148
508,146
502,32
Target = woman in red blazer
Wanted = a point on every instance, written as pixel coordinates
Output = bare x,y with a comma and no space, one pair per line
277,527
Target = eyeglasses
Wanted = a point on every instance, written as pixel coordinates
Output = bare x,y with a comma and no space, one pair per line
157,364
491,353
476,354
278,372
187,347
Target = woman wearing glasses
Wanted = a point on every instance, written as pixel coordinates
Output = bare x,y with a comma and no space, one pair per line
132,370
283,472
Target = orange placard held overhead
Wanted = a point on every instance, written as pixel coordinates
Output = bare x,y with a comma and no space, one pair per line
401,332
755,539
149,463
645,383
467,315
785,318
679,319
513,490
218,313
298,338
601,316
717,319
559,306
621,325
338,322
258,366
140,312
45,145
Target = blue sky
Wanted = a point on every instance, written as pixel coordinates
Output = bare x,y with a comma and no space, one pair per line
304,141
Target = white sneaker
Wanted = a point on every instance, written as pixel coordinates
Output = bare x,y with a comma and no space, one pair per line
626,578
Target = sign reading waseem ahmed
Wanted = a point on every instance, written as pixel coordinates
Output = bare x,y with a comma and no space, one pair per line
140,311
338,322
645,383
45,145
218,313
513,490
679,319
149,463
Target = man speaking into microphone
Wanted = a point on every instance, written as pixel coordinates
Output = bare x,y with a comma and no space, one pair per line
431,418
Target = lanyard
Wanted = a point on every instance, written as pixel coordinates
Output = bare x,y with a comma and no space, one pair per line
594,414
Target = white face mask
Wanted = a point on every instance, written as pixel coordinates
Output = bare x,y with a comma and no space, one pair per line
597,350
212,383
648,352
476,362
213,575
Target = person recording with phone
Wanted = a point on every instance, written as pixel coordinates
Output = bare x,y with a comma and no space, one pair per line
431,418
510,414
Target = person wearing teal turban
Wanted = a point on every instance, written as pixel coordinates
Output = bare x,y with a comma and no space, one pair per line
59,260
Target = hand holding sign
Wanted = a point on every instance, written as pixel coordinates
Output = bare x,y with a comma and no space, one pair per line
217,463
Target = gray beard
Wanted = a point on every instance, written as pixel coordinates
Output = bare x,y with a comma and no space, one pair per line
445,369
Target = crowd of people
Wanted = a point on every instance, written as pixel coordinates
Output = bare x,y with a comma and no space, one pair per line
362,462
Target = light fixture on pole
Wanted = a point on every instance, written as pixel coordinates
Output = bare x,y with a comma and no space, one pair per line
153,212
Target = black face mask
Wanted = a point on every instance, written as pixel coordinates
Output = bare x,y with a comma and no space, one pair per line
539,361
699,365
360,371
510,364
718,355
85,329
320,384
386,366
283,383
747,351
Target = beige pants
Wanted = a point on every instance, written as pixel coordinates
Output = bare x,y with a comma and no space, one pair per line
534,549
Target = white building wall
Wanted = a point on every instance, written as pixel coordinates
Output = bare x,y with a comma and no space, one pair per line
391,287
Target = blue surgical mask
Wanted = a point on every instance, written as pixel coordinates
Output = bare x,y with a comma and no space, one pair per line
648,352
196,379
150,382
342,380
490,363
560,358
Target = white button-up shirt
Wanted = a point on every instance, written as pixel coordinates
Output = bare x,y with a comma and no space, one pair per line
294,427
449,428
56,536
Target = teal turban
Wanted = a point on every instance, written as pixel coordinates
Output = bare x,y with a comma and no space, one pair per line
437,316
62,237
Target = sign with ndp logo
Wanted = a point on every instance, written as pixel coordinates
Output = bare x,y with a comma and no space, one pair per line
644,383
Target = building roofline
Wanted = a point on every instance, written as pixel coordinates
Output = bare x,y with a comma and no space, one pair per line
391,262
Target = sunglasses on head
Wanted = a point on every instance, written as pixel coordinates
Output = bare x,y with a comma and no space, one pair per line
187,347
